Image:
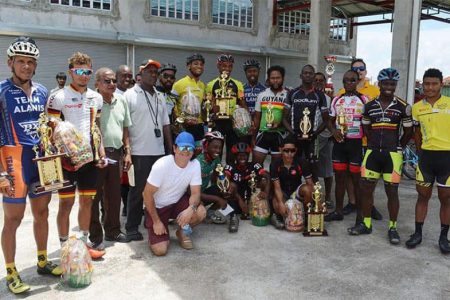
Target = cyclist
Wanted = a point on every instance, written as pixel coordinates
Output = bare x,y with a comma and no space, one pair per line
21,103
61,78
167,74
252,87
383,119
431,117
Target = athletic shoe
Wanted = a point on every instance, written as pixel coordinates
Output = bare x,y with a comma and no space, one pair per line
394,238
333,216
443,244
135,236
50,269
120,238
212,216
348,209
414,240
376,215
234,224
358,229
16,285
277,221
329,204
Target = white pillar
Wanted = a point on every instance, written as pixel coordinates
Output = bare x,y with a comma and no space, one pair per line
319,33
405,41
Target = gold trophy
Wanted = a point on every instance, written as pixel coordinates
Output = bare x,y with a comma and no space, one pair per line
269,115
207,105
253,192
316,213
305,124
96,135
222,181
341,120
49,164
223,97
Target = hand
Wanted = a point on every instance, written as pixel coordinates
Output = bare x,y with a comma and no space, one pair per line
244,207
5,186
190,122
102,163
127,162
159,228
283,209
337,134
215,109
262,195
185,216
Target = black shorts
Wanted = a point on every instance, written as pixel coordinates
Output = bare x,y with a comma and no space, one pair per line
382,163
84,178
268,142
226,128
308,149
433,166
347,155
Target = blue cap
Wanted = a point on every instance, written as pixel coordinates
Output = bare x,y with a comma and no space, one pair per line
185,139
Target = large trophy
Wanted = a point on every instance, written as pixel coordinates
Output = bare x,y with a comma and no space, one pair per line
341,120
223,183
207,105
329,69
223,97
48,159
316,213
269,115
305,124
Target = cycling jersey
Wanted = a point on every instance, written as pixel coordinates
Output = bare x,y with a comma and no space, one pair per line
353,108
234,86
275,102
241,175
181,89
76,108
171,100
20,113
250,95
207,169
290,178
385,124
298,99
434,122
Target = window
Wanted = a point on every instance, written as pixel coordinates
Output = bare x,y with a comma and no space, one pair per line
94,4
176,9
298,22
237,13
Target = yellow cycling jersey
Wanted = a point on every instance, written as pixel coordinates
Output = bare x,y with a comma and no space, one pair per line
434,122
181,88
369,90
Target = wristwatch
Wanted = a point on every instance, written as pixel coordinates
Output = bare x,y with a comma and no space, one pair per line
194,207
4,175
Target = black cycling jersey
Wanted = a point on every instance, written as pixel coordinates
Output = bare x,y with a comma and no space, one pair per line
290,178
241,174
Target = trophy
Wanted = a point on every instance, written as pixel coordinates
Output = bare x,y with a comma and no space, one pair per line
305,124
207,105
222,181
329,69
48,159
316,213
253,191
96,135
269,115
341,119
223,97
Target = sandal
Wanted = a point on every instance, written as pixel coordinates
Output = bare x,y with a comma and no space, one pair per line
185,241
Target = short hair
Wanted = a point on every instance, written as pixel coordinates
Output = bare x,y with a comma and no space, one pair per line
79,58
433,73
308,66
61,75
320,74
276,68
290,139
101,71
121,68
355,60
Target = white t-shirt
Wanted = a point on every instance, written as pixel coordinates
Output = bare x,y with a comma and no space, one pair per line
173,181
142,133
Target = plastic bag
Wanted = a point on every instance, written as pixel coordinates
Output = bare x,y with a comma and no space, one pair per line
261,212
190,106
295,221
68,140
241,121
76,263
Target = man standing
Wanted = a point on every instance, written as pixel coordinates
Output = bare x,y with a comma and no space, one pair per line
61,78
306,102
114,123
382,120
124,79
173,191
431,117
150,139
252,87
167,78
21,103
77,103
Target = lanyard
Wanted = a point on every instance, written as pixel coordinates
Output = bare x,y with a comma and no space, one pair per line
152,111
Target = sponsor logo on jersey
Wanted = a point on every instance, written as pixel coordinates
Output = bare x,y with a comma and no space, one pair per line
30,128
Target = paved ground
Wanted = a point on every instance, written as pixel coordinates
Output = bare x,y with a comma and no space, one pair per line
258,263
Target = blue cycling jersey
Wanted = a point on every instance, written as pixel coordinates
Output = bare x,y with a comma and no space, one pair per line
250,95
19,113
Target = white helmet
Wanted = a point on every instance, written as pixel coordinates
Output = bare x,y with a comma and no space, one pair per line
24,46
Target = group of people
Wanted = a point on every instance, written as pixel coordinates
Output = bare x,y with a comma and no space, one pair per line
356,136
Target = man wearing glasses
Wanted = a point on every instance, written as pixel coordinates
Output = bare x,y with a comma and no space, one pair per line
173,191
166,80
76,103
114,123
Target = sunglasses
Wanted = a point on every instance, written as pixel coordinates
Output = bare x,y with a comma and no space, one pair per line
361,68
289,150
109,81
186,148
168,76
81,72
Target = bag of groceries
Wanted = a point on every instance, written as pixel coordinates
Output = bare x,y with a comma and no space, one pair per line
295,221
241,121
190,106
76,263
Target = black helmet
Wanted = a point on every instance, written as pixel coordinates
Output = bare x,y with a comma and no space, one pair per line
166,67
225,58
195,56
241,148
251,63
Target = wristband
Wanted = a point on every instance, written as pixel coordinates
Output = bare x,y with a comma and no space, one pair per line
194,208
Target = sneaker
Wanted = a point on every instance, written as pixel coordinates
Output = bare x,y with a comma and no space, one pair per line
329,204
120,238
333,216
277,221
135,236
358,229
348,209
443,245
394,238
50,269
376,215
215,217
414,240
16,285
234,224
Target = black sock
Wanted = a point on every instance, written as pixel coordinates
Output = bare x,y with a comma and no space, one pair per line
419,226
444,230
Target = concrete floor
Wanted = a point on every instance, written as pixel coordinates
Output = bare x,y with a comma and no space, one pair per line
257,263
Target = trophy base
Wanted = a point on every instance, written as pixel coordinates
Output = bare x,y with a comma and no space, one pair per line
269,125
223,117
315,233
40,189
304,137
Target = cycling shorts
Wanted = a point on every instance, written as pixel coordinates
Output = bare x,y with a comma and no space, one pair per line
384,163
18,162
309,150
225,127
433,166
84,178
347,155
268,142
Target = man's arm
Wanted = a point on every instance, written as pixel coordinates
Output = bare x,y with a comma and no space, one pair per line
418,137
194,201
367,128
149,202
286,119
407,134
126,149
278,196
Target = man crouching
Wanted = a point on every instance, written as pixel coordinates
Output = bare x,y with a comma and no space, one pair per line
166,196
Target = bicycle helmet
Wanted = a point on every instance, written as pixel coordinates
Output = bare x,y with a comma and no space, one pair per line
24,46
225,58
251,63
213,135
166,67
195,56
241,148
388,74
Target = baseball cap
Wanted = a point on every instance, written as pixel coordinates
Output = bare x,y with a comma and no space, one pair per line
185,139
148,62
